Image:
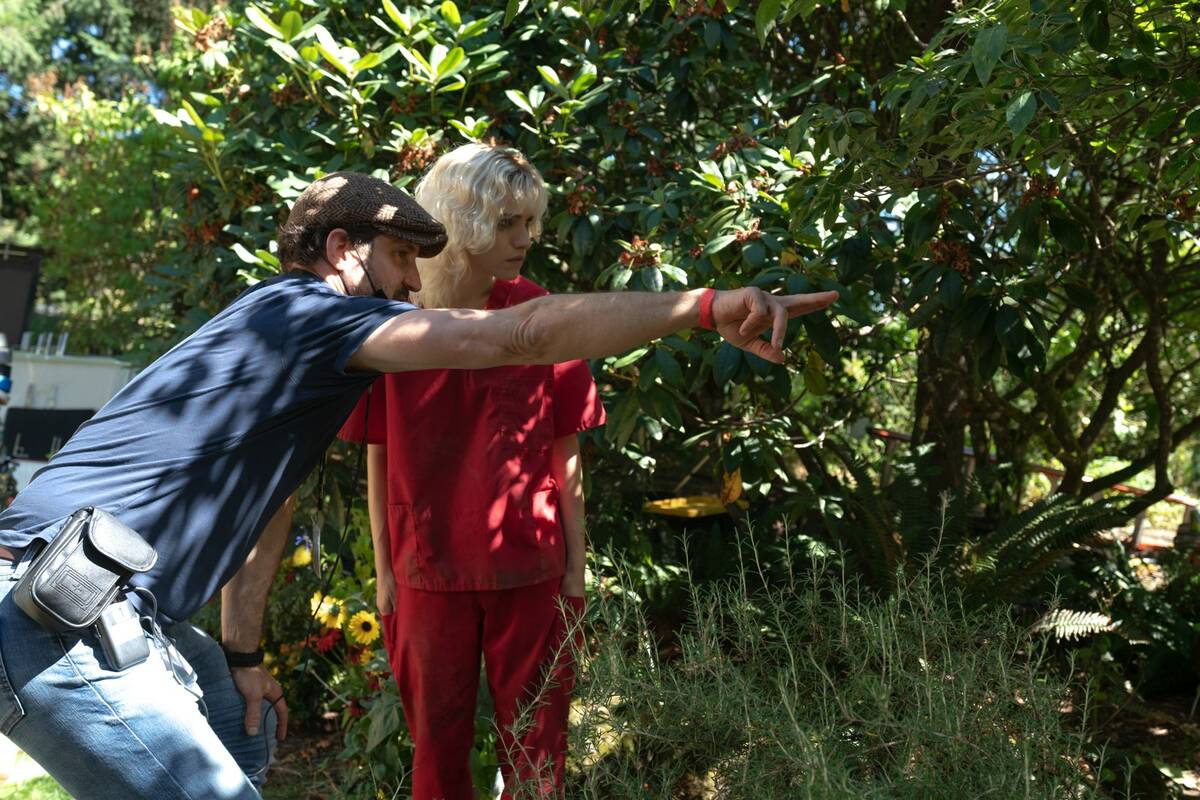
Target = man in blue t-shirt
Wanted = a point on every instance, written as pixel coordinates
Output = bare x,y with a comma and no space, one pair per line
201,449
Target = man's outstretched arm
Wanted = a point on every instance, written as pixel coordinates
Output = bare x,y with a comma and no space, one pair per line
559,328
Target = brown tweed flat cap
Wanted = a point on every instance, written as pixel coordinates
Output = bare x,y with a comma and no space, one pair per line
343,199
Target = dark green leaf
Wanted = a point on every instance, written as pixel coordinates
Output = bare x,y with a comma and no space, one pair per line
764,18
652,279
924,314
754,254
647,374
718,244
712,34
989,46
1082,296
1095,24
1067,232
921,221
727,363
854,258
510,11
1020,111
799,284
662,405
668,367
685,346
823,335
758,365
975,316
814,375
989,361
582,237
1192,123
884,277
1159,122
951,289
924,286
1008,326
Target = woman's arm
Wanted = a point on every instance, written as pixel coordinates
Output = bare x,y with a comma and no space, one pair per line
385,582
566,467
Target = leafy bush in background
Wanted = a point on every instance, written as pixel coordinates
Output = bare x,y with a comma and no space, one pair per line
971,179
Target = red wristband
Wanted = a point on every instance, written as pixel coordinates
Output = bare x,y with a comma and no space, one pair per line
706,314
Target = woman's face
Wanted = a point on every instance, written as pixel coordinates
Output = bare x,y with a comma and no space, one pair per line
503,260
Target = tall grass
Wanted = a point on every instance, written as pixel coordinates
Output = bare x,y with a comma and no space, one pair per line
801,686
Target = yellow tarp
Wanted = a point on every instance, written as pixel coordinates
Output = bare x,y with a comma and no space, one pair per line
703,505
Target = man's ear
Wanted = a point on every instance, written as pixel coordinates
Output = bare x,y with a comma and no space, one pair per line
337,248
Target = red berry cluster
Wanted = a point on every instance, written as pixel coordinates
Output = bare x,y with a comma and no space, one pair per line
641,253
1185,206
951,254
1039,187
216,30
736,142
581,199
749,234
702,9
407,106
414,158
203,234
287,95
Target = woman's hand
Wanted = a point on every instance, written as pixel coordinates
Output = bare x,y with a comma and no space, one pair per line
385,592
572,584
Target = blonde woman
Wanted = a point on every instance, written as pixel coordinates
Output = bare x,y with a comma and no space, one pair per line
478,522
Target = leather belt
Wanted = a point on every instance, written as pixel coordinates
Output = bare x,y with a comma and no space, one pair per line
6,554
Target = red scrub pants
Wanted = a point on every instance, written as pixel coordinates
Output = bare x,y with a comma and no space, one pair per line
435,641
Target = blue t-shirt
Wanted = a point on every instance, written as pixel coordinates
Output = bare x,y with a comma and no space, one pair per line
200,449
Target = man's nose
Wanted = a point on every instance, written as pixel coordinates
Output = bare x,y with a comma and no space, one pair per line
522,239
413,275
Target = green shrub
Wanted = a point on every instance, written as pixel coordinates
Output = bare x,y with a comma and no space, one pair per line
808,688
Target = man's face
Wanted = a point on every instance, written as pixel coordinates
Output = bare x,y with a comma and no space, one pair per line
390,266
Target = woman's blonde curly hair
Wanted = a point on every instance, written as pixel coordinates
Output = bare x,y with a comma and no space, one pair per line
466,191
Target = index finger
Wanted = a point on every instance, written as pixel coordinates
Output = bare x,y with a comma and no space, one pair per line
779,327
253,717
281,711
797,304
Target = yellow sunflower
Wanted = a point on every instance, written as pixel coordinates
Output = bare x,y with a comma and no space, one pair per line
328,610
364,628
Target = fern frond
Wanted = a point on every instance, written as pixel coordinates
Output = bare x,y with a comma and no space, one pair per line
1069,625
1029,545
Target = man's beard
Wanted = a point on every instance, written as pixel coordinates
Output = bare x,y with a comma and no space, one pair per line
375,290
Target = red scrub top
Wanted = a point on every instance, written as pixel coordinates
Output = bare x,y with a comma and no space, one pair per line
471,504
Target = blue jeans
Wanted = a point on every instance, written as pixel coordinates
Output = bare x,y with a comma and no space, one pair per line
139,733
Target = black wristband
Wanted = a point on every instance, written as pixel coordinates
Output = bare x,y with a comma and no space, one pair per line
235,659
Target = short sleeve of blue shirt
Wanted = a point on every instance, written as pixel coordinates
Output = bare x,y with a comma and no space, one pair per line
201,447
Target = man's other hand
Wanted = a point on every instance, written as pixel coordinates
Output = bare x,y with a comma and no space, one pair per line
742,315
257,684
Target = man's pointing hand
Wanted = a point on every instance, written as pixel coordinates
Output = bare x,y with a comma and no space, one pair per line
742,315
